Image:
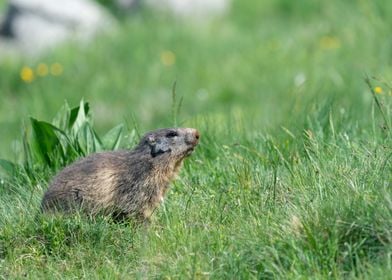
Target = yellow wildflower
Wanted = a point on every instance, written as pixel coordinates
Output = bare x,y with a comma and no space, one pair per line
42,69
378,90
27,74
168,58
56,69
329,42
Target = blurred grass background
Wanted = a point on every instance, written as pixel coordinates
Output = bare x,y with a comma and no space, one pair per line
292,178
265,60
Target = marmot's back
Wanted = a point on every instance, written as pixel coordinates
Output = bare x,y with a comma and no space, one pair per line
123,183
90,179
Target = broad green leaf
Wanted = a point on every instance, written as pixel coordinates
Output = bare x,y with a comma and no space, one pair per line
88,140
9,167
112,139
97,141
28,158
78,116
133,136
62,118
69,149
45,140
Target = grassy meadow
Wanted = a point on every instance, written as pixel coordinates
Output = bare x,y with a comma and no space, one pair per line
293,175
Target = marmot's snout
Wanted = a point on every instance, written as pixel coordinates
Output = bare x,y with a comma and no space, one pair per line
192,136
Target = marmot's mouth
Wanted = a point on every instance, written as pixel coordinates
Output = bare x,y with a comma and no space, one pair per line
189,151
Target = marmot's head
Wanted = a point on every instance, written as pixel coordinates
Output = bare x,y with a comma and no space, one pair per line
173,143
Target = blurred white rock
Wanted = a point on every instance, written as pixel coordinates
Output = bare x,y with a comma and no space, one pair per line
196,9
127,4
32,26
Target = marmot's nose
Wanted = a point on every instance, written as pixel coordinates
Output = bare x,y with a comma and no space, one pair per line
193,136
197,134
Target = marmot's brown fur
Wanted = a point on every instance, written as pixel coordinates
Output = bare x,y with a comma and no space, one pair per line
124,184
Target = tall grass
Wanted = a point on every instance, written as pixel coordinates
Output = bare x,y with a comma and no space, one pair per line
315,203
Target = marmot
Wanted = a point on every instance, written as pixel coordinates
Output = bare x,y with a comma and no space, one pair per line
124,184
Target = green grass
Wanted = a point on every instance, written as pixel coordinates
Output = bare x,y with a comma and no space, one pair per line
292,178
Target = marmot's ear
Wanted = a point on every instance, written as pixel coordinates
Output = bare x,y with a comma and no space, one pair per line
159,147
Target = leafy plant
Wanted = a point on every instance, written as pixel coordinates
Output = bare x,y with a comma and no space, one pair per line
69,136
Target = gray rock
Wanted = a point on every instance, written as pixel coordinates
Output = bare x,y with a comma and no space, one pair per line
32,26
127,5
191,9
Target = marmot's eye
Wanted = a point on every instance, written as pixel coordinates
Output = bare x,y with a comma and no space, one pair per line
171,134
